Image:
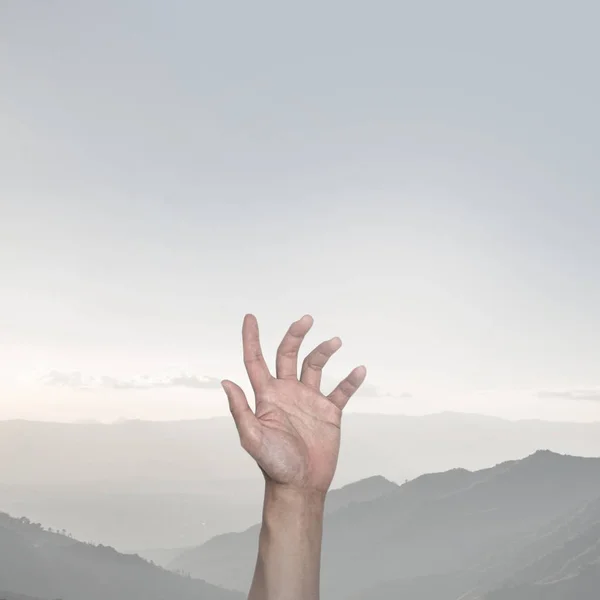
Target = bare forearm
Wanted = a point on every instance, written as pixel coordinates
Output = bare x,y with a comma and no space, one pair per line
289,552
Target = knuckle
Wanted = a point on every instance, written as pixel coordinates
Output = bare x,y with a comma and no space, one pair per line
253,358
347,388
310,363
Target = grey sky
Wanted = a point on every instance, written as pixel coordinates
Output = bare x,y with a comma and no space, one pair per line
420,177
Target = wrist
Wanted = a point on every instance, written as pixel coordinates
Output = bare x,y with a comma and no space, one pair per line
289,549
282,499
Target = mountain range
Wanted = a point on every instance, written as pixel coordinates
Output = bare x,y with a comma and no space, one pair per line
524,529
105,482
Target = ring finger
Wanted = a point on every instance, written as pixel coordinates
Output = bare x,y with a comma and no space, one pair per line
313,364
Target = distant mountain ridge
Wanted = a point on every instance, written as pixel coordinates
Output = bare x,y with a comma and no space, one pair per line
143,453
95,475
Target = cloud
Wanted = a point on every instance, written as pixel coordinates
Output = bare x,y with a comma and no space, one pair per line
73,379
368,389
77,380
579,395
372,391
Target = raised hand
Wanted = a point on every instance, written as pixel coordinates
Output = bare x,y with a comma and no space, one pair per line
294,433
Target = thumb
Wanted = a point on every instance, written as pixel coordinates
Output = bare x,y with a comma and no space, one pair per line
247,424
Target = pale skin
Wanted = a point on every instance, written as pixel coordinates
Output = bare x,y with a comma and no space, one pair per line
294,436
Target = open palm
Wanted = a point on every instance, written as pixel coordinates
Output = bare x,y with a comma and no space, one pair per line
294,433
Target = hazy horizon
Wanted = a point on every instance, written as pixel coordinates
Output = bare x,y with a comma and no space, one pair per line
121,420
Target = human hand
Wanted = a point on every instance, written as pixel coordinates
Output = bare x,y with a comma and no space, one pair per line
294,432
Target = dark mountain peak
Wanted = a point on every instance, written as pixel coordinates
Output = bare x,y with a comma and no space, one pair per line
546,455
456,472
443,482
549,459
375,482
539,460
363,490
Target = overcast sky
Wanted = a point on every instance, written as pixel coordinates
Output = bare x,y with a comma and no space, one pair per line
422,178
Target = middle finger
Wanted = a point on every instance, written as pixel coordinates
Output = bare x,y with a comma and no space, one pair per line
286,363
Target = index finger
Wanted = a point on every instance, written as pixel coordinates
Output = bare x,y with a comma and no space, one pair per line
254,361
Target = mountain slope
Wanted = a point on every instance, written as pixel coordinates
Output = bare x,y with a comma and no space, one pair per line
49,565
563,562
499,509
558,565
559,561
583,585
